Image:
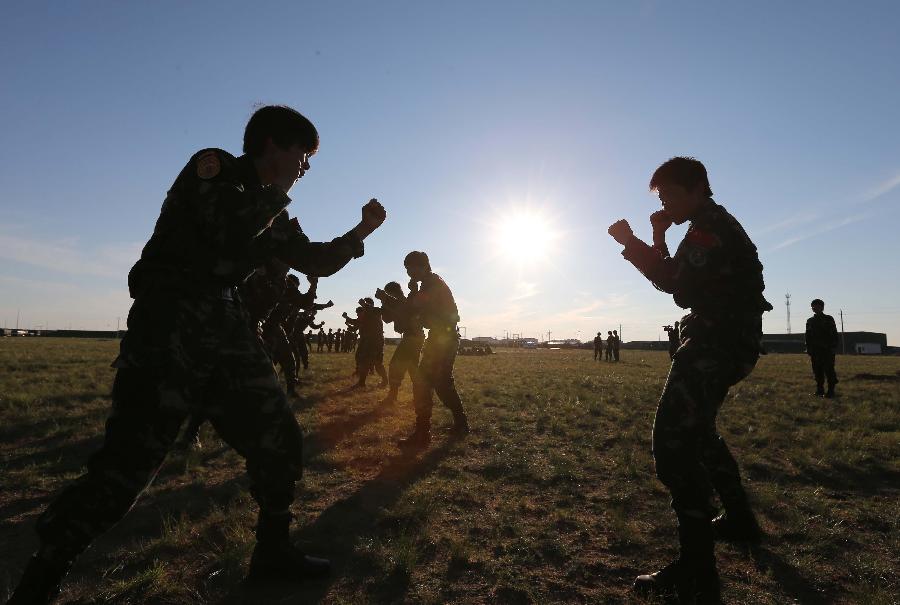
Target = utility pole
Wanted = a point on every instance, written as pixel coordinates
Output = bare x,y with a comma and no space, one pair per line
17,320
843,345
787,303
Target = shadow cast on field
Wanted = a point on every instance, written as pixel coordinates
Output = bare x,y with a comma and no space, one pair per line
66,457
876,377
145,523
331,433
338,530
866,479
63,405
787,577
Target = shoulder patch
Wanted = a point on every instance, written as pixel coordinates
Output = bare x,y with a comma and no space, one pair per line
703,239
697,257
208,165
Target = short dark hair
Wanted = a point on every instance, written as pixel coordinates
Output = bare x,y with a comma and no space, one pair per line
417,259
393,287
817,301
284,125
682,170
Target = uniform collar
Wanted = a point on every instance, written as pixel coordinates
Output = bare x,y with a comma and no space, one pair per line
705,209
248,171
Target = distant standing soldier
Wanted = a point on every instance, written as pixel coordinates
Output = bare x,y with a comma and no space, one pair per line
320,340
189,349
674,339
397,308
610,344
338,336
437,310
370,357
329,340
598,347
616,343
717,274
821,342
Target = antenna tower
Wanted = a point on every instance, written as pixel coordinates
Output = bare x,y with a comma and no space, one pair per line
787,304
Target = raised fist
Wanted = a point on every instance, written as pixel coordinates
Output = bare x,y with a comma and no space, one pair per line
660,220
621,231
373,215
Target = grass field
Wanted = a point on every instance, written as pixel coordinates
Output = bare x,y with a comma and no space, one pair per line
552,498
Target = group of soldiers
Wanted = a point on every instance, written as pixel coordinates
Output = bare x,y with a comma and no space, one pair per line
612,346
213,306
340,340
427,360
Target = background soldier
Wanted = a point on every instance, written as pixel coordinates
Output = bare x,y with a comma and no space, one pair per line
674,338
189,349
610,344
397,308
320,340
437,310
329,340
370,356
821,342
717,274
598,347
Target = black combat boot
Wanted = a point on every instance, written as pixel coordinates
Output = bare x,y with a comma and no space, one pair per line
830,393
420,438
460,425
737,524
391,397
820,391
693,576
276,559
40,582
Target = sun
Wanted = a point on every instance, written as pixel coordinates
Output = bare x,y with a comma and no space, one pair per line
524,235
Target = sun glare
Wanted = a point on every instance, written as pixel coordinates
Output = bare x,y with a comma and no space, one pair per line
524,236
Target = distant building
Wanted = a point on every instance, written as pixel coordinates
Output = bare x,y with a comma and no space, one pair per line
852,343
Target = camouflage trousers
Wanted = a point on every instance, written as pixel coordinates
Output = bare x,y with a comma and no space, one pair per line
435,375
195,358
301,350
370,357
281,351
823,367
692,460
405,359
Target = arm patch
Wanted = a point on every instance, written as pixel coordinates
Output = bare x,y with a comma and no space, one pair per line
208,165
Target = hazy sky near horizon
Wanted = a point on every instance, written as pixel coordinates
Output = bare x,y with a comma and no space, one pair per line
460,117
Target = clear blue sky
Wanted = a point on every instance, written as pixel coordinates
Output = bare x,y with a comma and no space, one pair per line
456,116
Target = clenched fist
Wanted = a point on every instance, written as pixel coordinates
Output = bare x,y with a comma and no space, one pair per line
373,215
621,231
661,221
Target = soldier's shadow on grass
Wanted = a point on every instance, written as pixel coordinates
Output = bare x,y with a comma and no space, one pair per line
337,532
331,433
68,409
787,577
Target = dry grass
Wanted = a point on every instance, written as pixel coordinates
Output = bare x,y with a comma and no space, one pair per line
552,498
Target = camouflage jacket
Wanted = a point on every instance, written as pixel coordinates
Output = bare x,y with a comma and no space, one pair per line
435,304
715,271
218,223
821,333
400,311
